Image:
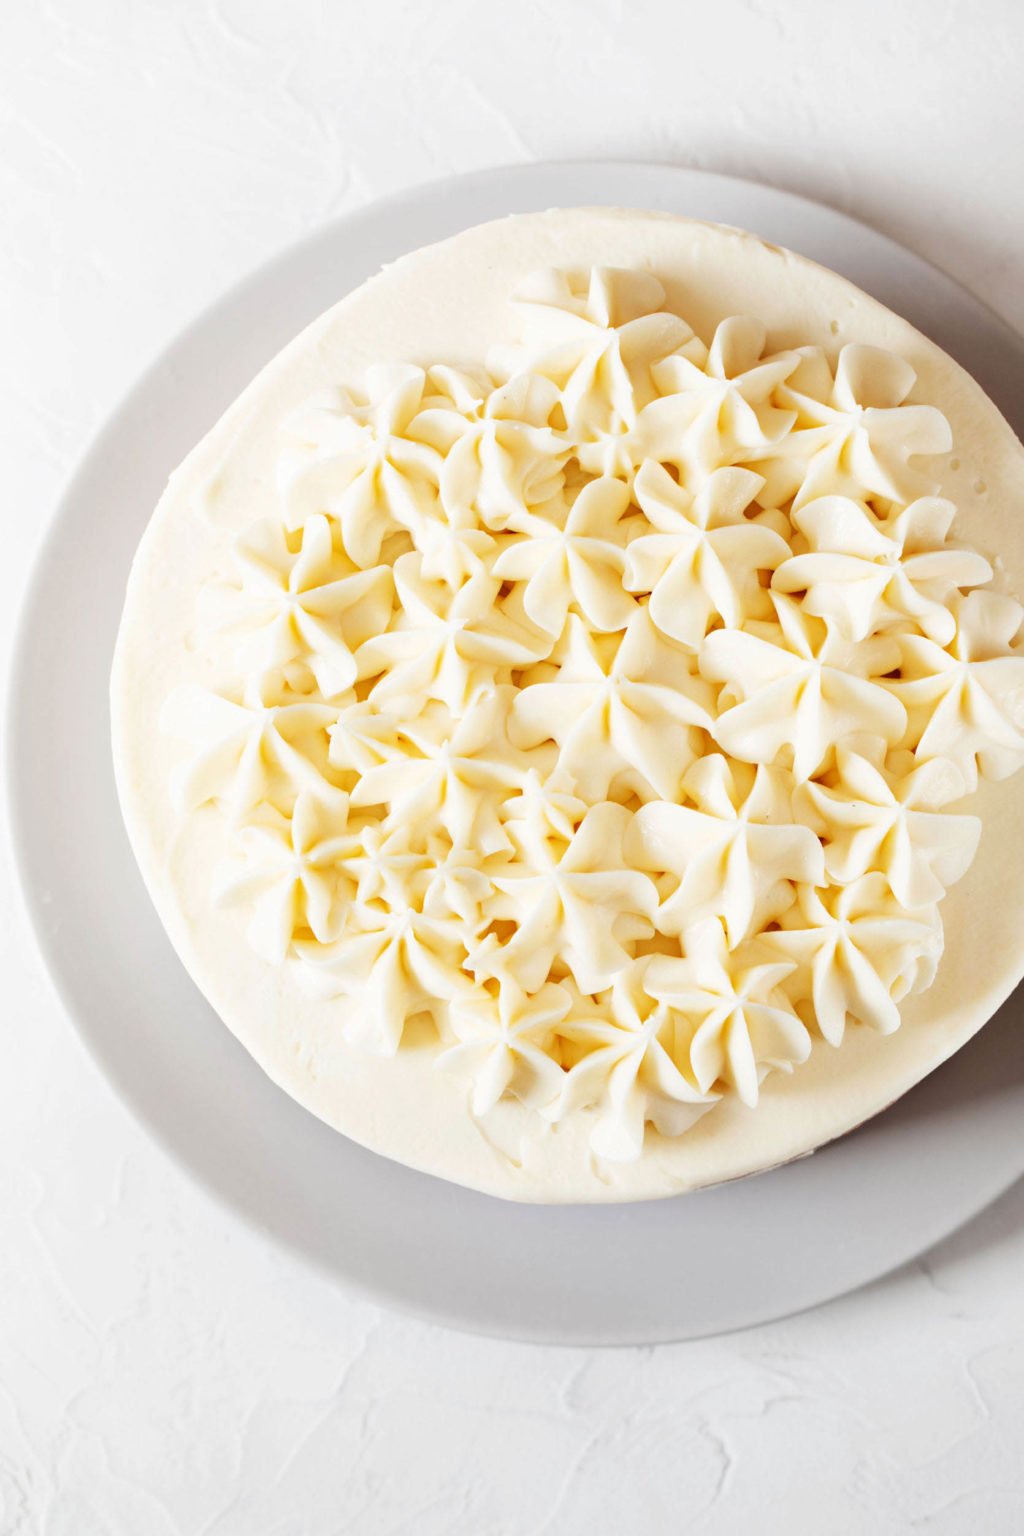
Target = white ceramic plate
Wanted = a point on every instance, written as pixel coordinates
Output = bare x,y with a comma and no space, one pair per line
671,1269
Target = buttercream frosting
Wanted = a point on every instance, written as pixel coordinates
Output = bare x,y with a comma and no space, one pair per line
611,705
599,711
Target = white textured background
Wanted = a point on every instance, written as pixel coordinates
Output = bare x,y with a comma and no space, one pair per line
162,1371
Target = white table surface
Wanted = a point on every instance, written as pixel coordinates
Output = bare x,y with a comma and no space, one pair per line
163,1371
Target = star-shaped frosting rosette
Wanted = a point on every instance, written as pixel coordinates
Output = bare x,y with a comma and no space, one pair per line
858,953
856,433
452,549
573,556
632,1063
705,557
500,455
444,645
290,873
301,601
543,811
633,704
456,886
457,773
876,819
504,1044
452,554
389,966
596,336
733,852
716,411
263,747
363,737
744,1025
392,959
351,458
863,573
798,686
966,701
386,867
578,905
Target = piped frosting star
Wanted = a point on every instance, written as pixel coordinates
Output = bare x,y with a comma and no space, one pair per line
745,1025
579,904
864,574
858,953
572,558
733,851
300,602
878,818
631,704
798,689
245,752
966,700
856,431
351,458
705,558
503,1041
290,872
631,1062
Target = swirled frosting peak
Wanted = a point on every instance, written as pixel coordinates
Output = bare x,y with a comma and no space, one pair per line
600,711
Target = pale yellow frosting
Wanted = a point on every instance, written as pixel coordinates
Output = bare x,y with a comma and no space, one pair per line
585,716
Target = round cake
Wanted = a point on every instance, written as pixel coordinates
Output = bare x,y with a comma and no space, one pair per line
566,710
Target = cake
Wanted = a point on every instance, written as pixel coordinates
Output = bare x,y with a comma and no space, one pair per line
565,712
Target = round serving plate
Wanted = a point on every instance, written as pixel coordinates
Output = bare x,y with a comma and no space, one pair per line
677,1268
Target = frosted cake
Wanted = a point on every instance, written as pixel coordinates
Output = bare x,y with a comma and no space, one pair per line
566,710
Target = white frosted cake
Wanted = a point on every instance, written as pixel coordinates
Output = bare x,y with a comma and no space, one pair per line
565,711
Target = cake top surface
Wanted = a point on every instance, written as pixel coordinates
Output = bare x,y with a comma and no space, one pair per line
552,722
